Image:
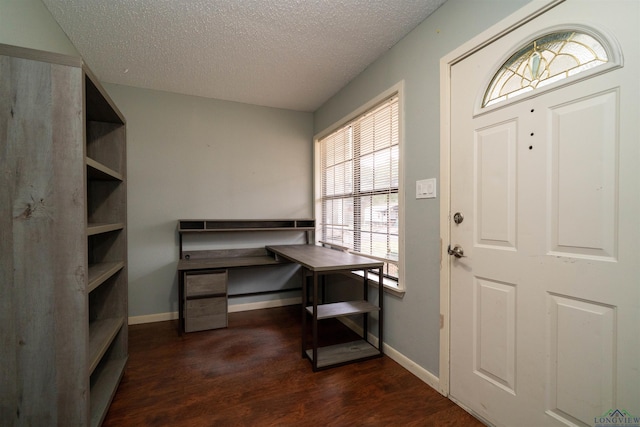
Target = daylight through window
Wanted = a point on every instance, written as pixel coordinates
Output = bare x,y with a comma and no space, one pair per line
359,185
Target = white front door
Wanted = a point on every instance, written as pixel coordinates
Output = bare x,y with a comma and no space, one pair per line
545,303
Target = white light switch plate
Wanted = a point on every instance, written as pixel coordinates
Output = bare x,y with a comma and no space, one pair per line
426,188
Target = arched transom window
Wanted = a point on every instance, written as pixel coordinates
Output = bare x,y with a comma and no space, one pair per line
545,60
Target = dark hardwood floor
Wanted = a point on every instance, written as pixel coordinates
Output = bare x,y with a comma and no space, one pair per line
252,374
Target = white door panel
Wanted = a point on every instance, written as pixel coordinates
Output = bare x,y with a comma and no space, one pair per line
545,305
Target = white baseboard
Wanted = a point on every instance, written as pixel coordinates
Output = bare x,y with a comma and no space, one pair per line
417,370
150,318
173,315
411,366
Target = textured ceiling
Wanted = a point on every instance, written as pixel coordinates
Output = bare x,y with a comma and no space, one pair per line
292,54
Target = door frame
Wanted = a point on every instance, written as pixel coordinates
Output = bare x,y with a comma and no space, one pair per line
527,13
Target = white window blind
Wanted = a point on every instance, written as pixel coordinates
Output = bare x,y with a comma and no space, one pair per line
359,189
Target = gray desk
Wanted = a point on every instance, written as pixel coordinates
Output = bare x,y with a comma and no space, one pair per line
202,274
318,261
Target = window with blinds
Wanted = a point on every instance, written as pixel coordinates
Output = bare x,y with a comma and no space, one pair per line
359,185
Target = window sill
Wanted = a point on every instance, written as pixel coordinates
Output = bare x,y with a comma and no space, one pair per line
390,285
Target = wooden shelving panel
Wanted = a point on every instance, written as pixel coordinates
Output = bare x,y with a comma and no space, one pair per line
207,225
101,272
99,228
69,295
344,308
105,162
98,171
340,354
101,335
104,383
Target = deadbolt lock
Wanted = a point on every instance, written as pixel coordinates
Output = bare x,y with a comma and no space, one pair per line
458,218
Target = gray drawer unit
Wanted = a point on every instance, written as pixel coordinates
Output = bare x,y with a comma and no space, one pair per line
210,283
205,313
205,305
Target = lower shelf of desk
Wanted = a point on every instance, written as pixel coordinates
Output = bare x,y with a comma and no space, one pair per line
344,308
343,353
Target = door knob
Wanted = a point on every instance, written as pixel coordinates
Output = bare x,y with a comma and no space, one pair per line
456,251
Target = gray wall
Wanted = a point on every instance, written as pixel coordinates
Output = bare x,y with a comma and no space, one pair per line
189,157
412,322
28,23
192,157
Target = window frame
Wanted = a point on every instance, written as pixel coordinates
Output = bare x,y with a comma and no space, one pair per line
394,286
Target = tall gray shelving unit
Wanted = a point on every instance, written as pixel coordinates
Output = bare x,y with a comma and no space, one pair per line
63,265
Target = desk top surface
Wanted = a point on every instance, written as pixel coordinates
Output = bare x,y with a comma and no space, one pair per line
223,263
318,258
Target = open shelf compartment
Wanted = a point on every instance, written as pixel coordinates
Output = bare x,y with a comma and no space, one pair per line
101,334
104,383
101,272
344,308
208,225
98,171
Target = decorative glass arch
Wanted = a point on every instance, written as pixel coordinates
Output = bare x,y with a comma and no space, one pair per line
545,60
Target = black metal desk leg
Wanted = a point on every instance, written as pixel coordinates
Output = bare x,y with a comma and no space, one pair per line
181,302
315,321
365,316
381,311
304,312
